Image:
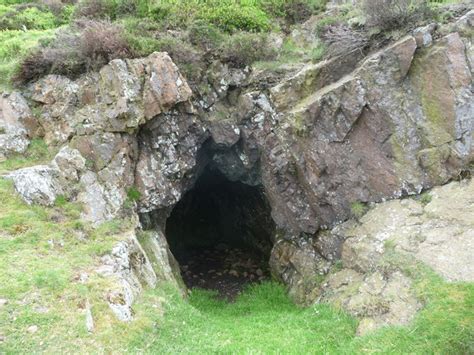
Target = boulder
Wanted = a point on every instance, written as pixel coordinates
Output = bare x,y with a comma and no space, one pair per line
38,184
436,230
17,124
42,184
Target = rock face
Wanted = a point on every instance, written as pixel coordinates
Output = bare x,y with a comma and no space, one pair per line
138,261
393,124
42,184
17,124
438,233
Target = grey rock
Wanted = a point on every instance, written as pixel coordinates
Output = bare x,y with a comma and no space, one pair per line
38,184
17,124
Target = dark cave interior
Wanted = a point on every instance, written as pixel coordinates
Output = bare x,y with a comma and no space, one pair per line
221,233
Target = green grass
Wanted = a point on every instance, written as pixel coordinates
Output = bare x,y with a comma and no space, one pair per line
37,153
14,45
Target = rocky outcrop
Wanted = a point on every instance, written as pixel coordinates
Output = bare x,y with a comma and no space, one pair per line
17,124
42,184
393,124
436,229
138,261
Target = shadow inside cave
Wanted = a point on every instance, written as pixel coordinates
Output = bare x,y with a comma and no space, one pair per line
221,234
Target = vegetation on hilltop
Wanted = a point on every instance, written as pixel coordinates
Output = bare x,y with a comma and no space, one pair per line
71,37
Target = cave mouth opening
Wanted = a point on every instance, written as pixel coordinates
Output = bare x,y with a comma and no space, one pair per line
221,233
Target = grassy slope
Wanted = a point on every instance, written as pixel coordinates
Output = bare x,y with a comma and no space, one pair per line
43,250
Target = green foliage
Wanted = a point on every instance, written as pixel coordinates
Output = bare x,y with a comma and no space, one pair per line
358,209
425,198
232,17
14,46
37,153
205,36
133,194
317,53
29,18
60,201
244,48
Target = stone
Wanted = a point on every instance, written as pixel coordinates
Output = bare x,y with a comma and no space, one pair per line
38,184
133,267
32,329
441,236
3,302
17,124
42,184
70,163
89,318
423,35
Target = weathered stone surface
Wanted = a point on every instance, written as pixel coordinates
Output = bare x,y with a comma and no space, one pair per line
168,160
38,184
377,133
378,299
130,267
17,124
121,97
297,264
42,184
438,233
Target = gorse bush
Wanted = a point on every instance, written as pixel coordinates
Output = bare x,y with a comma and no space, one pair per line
395,14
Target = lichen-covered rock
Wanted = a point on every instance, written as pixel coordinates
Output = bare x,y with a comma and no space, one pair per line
17,124
377,298
437,230
42,184
378,132
133,267
439,234
121,97
168,160
38,184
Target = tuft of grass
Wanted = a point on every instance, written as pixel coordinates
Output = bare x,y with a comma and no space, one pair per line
425,198
358,209
37,153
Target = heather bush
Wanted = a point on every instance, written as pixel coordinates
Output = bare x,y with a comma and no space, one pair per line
87,46
242,49
395,14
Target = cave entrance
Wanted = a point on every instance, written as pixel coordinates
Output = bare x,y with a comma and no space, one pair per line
221,233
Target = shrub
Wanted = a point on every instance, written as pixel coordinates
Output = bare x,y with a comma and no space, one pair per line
133,194
95,9
102,42
30,17
425,198
242,49
88,45
205,36
232,17
343,40
394,14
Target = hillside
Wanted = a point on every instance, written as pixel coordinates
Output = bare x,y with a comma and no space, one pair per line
255,176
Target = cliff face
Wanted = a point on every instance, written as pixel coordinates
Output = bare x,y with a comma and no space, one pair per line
400,122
